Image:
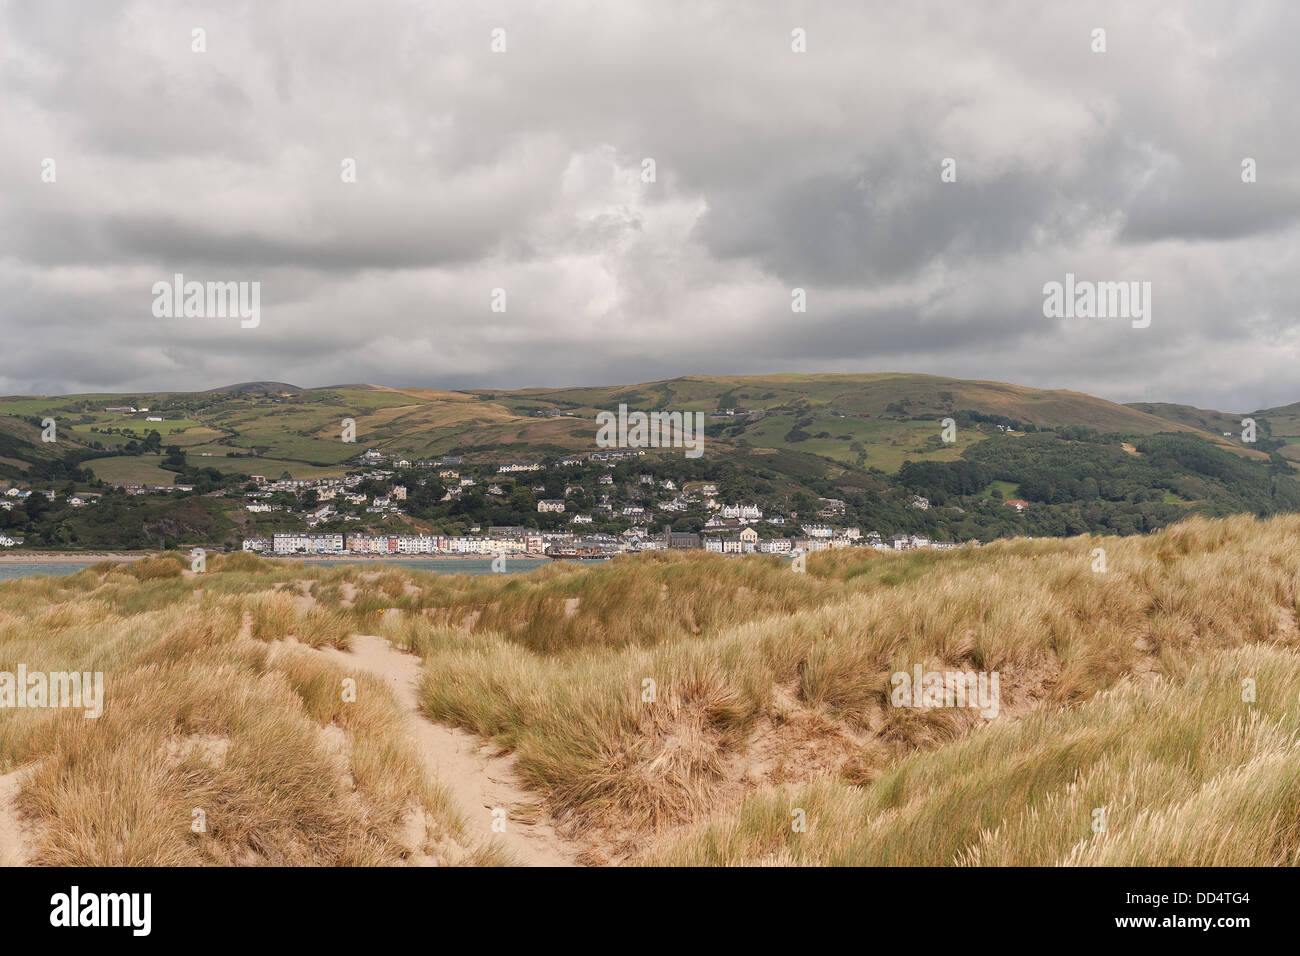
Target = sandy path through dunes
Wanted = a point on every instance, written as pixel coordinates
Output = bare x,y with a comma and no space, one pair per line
478,781
15,848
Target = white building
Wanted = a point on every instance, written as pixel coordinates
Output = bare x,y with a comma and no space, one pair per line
469,544
417,544
294,542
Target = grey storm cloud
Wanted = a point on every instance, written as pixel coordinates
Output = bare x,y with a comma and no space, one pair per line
522,170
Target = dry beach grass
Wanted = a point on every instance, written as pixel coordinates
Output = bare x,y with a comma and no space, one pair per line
679,709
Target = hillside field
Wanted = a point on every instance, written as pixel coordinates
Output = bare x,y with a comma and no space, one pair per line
874,421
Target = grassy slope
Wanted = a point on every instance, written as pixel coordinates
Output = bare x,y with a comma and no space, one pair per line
305,426
1284,422
1119,690
202,711
857,394
21,445
804,695
844,419
1203,419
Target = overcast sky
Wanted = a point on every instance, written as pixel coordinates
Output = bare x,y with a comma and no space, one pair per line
522,170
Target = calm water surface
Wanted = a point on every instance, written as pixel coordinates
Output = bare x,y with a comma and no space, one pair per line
438,565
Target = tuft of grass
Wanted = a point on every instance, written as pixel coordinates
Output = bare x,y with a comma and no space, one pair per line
212,747
169,565
275,614
1182,772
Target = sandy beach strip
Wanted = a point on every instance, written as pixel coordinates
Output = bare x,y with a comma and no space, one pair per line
71,557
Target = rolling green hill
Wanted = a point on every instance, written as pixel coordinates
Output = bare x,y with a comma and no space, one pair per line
854,421
1203,419
1278,428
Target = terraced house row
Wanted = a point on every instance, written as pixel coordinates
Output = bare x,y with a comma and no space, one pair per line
293,542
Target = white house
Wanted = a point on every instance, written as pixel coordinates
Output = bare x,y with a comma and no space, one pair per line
294,542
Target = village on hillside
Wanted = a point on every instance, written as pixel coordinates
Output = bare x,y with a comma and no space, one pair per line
731,528
596,511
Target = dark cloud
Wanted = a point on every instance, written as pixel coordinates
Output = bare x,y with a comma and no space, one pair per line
774,170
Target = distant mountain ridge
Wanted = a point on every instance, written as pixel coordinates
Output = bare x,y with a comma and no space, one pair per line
258,388
836,421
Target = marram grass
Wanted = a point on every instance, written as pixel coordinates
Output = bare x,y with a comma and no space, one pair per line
686,708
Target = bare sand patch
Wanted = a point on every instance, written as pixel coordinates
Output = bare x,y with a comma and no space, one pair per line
482,783
15,833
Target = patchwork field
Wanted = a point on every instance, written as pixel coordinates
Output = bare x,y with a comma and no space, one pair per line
855,421
672,709
134,469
